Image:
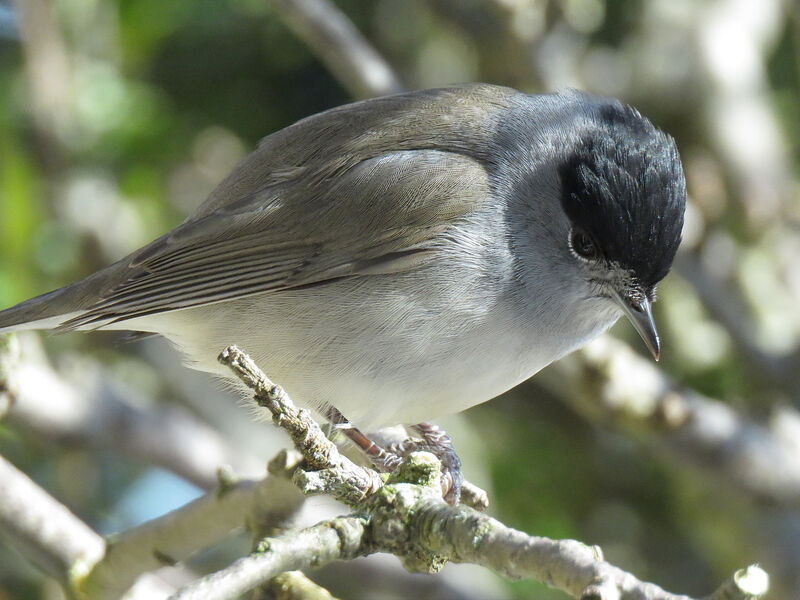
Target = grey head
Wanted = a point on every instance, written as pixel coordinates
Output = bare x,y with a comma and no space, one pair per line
621,192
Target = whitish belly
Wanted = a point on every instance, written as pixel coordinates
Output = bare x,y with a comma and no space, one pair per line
379,367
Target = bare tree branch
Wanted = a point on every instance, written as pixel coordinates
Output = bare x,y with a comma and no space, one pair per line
340,46
465,535
408,518
69,550
338,539
177,535
54,539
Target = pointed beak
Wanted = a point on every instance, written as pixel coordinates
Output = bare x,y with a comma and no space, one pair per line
640,315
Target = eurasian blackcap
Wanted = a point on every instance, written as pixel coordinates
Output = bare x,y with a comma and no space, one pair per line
409,256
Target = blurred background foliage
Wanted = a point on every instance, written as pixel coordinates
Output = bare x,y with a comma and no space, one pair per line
117,117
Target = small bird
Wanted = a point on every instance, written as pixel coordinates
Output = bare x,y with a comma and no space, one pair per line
410,256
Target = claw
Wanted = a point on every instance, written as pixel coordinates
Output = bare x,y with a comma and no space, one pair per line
451,486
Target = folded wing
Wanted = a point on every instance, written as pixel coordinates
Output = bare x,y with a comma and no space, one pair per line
380,215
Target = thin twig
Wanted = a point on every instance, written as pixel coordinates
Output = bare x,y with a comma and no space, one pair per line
294,585
338,475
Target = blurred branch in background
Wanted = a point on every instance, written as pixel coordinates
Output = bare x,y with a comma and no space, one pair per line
270,503
67,549
734,40
49,77
46,531
52,537
725,304
9,361
609,383
340,46
90,410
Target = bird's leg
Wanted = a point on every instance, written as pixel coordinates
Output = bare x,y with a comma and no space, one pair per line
383,460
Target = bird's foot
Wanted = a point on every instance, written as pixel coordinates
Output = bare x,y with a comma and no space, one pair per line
437,442
434,440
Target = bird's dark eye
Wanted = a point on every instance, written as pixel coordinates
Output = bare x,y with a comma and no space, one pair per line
582,245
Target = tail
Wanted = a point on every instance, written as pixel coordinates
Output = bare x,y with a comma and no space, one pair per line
50,310
47,311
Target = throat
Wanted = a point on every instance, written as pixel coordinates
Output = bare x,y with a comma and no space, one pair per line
553,332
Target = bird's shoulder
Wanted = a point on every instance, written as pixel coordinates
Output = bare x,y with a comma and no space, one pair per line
319,148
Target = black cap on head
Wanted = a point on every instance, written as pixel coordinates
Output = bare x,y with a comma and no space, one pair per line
624,187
